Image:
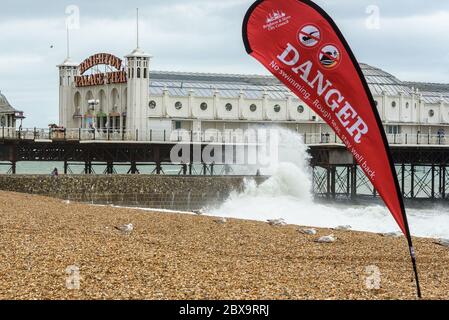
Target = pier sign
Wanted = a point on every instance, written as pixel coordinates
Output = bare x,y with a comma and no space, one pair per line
116,76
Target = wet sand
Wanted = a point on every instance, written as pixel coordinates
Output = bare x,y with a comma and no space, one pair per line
176,256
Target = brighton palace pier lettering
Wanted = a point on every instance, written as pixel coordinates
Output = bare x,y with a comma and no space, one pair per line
101,78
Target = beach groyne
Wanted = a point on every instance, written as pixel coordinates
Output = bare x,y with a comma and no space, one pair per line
165,192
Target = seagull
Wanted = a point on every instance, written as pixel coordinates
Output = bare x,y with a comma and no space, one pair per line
442,242
392,234
343,228
327,239
276,222
198,212
310,232
221,220
127,228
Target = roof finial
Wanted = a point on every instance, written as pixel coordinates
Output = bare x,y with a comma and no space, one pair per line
68,43
137,21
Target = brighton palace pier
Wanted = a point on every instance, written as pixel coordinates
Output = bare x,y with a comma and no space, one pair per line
119,111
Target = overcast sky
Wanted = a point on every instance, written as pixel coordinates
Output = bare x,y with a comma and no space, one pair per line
411,40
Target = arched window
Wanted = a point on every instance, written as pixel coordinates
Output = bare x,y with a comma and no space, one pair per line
138,73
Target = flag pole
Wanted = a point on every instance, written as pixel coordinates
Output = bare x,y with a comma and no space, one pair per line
412,255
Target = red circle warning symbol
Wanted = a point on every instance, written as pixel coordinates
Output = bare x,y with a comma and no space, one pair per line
329,56
309,36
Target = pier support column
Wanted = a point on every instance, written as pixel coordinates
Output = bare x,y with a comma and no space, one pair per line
403,179
443,181
66,167
333,181
353,181
432,192
13,167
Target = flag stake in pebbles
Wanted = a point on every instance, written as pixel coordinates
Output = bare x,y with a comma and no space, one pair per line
302,46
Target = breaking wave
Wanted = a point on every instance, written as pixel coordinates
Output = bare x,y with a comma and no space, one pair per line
287,194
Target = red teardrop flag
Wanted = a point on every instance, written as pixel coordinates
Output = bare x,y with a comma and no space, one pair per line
301,45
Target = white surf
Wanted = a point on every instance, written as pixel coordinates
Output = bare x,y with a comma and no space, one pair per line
287,194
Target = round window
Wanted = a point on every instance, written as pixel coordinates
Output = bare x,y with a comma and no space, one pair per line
178,105
203,106
277,108
228,107
393,104
300,109
152,104
431,113
253,108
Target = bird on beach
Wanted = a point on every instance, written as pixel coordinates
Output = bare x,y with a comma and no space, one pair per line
343,228
310,232
327,239
127,228
221,220
276,222
391,234
442,242
198,212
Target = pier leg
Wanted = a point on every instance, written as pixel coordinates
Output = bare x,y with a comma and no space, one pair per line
13,167
433,182
66,167
333,181
403,179
412,183
348,181
353,182
443,182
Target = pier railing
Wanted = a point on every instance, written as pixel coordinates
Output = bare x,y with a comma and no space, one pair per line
208,136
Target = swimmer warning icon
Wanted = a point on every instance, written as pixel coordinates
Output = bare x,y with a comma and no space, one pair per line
309,36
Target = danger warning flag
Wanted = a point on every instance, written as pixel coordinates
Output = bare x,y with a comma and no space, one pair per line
301,45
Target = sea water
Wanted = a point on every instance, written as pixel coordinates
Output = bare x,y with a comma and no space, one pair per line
287,194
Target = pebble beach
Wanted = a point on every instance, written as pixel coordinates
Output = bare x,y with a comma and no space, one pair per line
45,242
